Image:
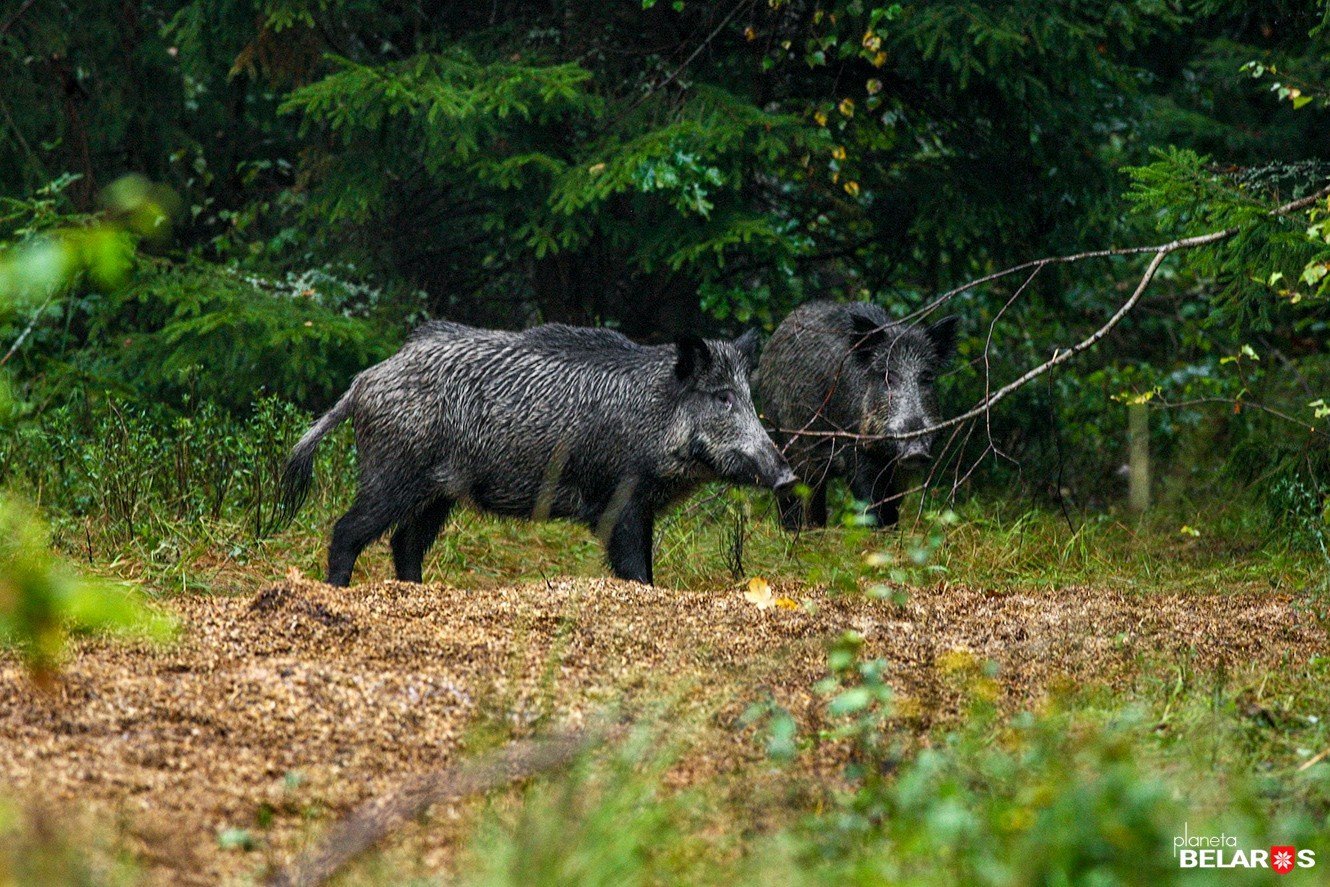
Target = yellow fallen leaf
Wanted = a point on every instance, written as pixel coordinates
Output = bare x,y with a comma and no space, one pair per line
759,592
786,603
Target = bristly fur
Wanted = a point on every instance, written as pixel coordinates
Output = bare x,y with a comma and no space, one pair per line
555,421
299,470
833,368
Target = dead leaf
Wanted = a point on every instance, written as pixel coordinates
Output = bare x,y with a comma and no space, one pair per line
759,592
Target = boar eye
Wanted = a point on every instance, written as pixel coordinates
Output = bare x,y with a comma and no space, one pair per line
725,399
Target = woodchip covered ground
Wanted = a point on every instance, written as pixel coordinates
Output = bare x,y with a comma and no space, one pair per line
287,707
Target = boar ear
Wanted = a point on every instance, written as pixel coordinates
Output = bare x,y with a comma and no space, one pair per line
867,337
694,358
747,348
943,335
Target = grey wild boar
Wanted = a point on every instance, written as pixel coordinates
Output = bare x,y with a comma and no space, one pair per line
833,378
553,422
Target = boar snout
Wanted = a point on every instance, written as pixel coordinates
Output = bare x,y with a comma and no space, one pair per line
916,453
769,469
784,478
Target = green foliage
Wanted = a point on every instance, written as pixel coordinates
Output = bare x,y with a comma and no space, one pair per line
1184,196
40,846
86,314
859,704
1040,800
347,166
44,251
43,599
143,474
607,827
670,167
197,333
1053,798
665,194
1075,794
1299,503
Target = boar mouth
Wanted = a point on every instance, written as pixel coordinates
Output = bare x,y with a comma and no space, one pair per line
774,473
743,468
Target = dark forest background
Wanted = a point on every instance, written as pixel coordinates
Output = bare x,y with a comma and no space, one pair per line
300,182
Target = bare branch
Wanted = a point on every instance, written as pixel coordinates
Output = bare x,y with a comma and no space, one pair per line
1284,209
379,817
4,29
1061,356
1239,403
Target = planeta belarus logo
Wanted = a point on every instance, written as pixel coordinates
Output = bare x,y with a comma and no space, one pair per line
1225,851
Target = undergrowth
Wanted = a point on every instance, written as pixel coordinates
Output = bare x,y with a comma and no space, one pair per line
187,501
1088,789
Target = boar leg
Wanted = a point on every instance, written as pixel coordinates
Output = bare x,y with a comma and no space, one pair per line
415,534
873,481
817,506
796,513
791,511
629,547
368,517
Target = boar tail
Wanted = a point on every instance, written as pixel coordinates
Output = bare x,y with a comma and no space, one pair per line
299,469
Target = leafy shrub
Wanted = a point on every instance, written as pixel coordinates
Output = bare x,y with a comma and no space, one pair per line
1036,800
183,334
1299,506
600,826
42,599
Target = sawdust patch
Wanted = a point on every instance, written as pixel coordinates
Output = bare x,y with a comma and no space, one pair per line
302,700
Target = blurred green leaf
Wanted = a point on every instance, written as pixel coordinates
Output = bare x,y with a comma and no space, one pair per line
43,599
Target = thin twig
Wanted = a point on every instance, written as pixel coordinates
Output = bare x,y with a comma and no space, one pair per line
988,347
1314,760
18,343
1284,209
4,29
374,820
651,90
1240,403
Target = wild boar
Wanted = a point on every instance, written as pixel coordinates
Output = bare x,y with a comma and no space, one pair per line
836,377
553,422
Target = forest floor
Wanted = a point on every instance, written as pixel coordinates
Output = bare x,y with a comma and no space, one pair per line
220,756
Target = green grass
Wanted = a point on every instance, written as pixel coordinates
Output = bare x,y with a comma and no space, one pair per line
186,504
990,544
1091,789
